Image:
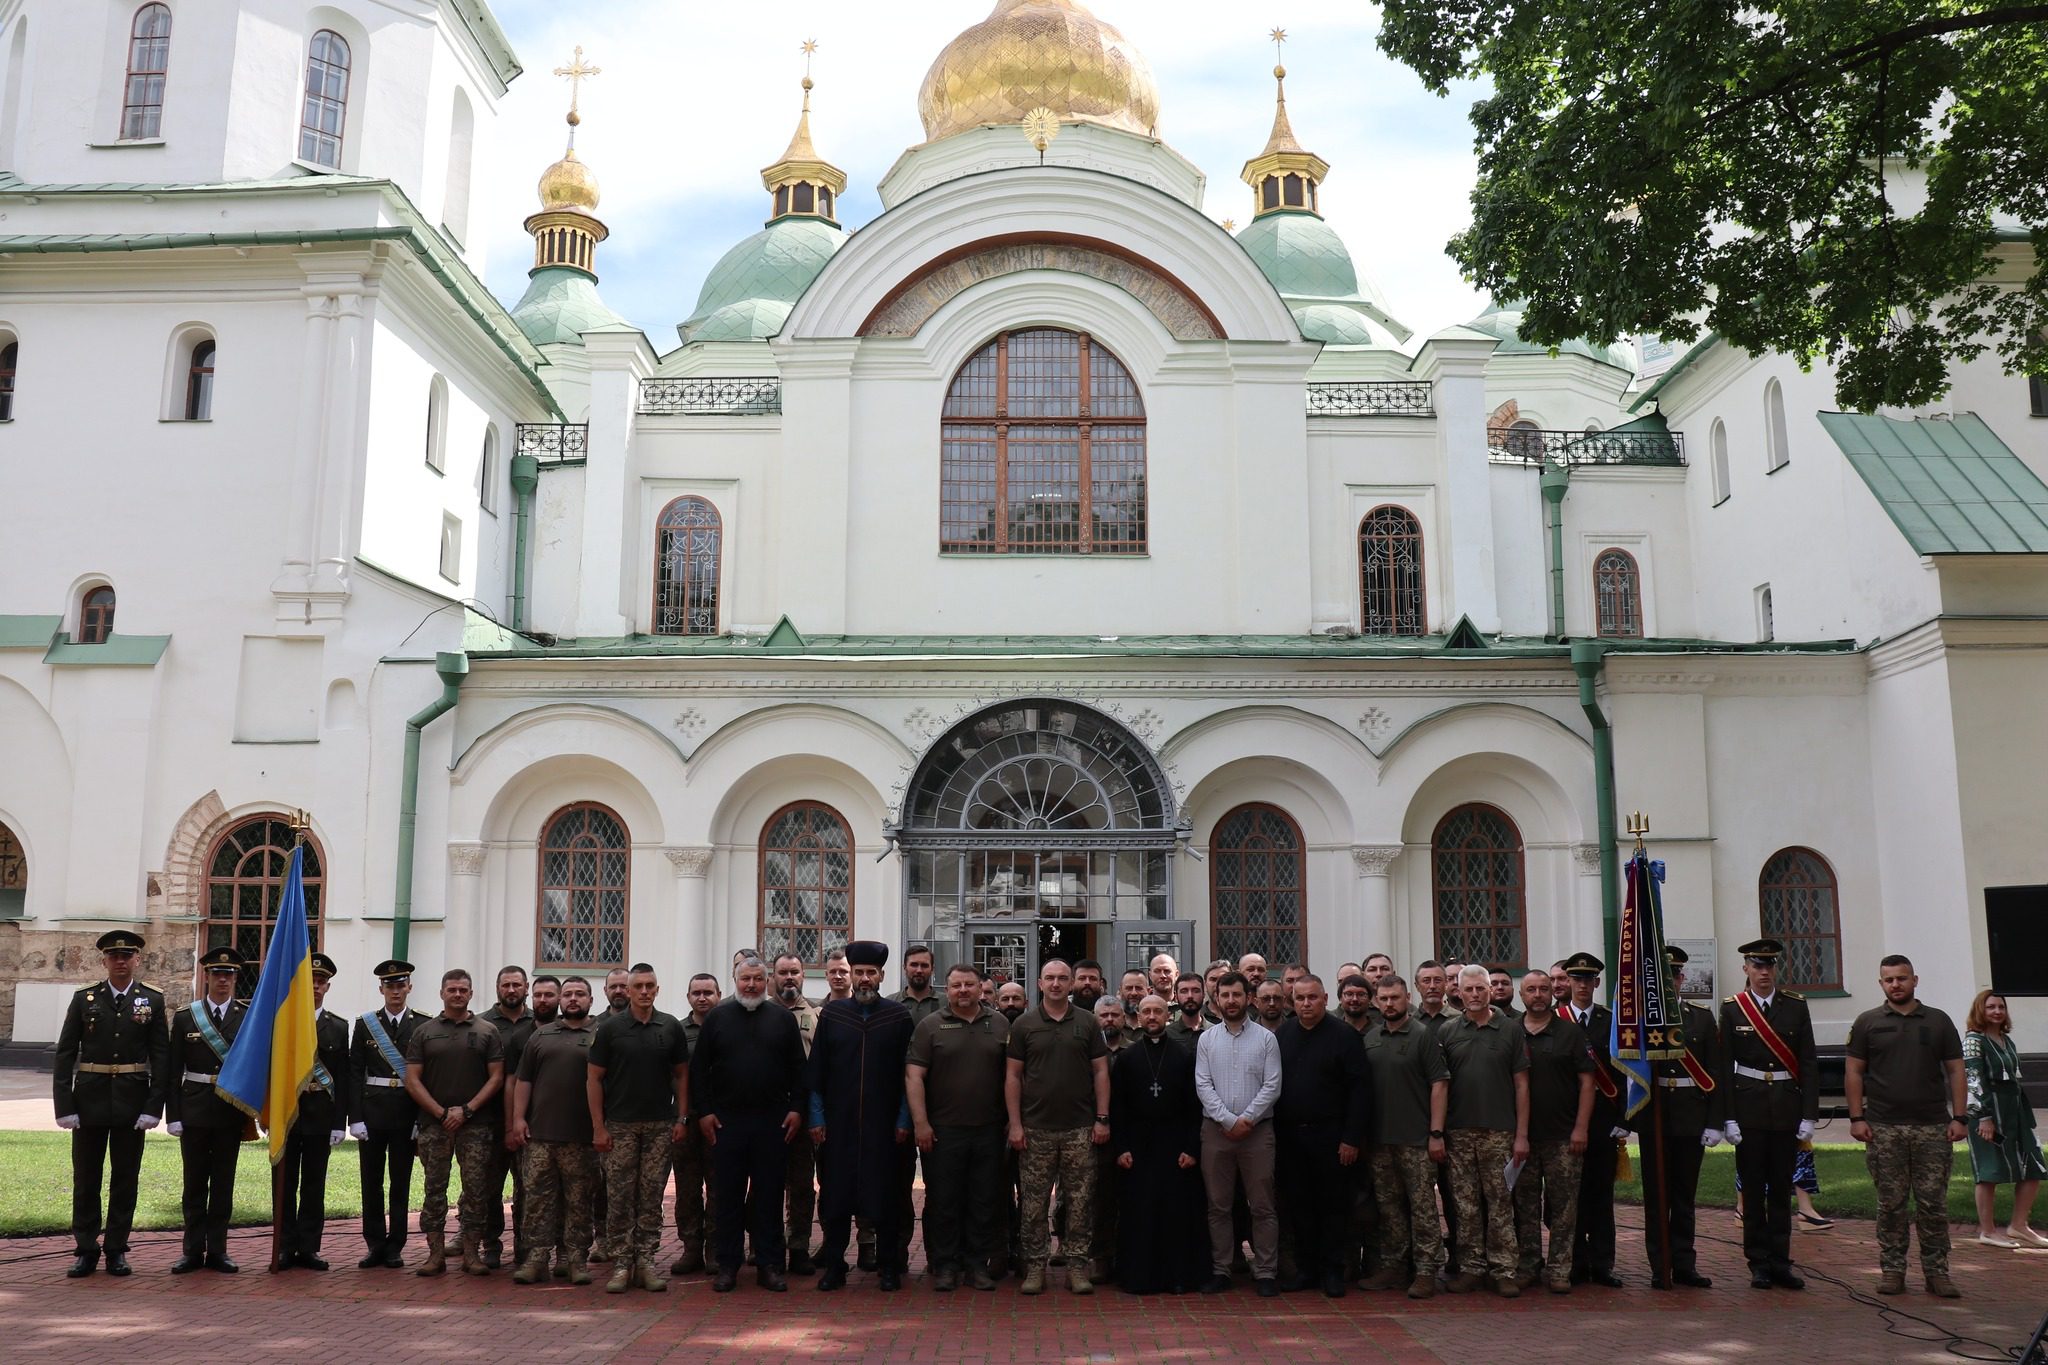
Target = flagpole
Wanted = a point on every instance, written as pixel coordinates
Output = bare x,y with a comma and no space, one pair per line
1661,1205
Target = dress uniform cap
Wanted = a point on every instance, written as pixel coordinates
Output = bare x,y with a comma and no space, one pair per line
1767,948
1583,964
1674,953
222,959
323,965
120,941
865,952
394,971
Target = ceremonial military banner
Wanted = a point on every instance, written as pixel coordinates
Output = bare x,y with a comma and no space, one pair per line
1646,1008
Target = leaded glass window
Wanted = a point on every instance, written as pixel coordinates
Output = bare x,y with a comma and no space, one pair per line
96,615
325,115
245,885
586,884
1479,887
1042,450
1797,905
10,361
1257,886
688,540
806,883
1618,594
1390,572
149,57
13,875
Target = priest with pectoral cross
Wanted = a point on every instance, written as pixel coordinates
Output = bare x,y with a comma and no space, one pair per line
1155,1120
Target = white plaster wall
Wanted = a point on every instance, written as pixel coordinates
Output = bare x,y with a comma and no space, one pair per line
1642,511
1521,555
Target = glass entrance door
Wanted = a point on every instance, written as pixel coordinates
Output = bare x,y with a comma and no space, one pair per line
1136,942
1008,949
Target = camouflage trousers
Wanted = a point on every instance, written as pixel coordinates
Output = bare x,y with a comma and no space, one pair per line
1065,1158
1550,1181
1479,1192
635,1174
1404,1186
690,1158
558,1176
468,1147
1911,1159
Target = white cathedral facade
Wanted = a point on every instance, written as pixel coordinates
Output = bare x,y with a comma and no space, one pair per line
1041,568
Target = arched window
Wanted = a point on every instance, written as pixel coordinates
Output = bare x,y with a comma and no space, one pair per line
96,615
1480,889
149,57
806,883
244,885
1042,450
10,357
1618,595
688,540
1777,443
199,381
1390,572
1717,448
586,881
1258,886
437,425
1796,904
13,876
2037,395
487,473
325,115
1525,441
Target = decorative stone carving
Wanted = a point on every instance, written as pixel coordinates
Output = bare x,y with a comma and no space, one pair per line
1145,725
689,723
924,296
1374,723
690,862
466,860
921,724
1588,858
1373,860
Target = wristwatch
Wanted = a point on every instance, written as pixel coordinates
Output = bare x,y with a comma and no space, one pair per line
1436,1132
1102,1118
1959,1118
1855,1118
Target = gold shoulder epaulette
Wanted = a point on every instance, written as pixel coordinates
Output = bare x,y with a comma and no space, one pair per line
1795,995
149,987
1728,1000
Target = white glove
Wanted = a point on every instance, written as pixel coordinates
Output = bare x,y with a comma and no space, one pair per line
334,1138
1805,1131
1734,1131
1618,1134
359,1132
1711,1138
175,1129
145,1122
68,1122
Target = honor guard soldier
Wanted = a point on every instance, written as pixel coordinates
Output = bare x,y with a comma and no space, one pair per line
1693,1105
113,1058
1593,1252
208,1128
319,1128
383,1115
1773,1084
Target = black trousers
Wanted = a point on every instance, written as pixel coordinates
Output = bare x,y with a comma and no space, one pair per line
1593,1240
839,1195
305,1188
1315,1195
209,1155
505,1163
906,1206
1683,1156
1764,1160
386,1158
964,1220
89,1150
747,1165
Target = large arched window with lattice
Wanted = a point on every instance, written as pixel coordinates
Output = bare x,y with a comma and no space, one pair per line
1618,595
1390,572
806,882
586,885
1258,900
245,883
1797,904
1042,450
688,539
13,876
1480,887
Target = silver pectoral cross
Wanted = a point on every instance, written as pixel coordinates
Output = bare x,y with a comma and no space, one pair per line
1155,1090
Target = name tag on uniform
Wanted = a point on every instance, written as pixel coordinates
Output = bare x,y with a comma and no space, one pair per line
1744,1028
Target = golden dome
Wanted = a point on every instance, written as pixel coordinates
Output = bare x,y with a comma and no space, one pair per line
568,184
1033,53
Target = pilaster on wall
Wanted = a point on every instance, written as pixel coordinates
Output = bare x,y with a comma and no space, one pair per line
811,569
1455,362
611,511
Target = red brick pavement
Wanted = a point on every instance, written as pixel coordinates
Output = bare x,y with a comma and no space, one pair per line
392,1318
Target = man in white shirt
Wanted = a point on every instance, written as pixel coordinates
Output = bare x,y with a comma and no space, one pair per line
1237,1077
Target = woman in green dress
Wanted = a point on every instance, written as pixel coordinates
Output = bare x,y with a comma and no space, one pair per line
2003,1148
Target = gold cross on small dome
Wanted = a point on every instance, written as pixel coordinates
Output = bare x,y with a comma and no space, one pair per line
576,72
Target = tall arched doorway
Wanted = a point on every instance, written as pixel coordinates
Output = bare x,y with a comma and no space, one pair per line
1041,828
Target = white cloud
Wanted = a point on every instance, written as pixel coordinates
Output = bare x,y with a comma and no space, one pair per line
695,98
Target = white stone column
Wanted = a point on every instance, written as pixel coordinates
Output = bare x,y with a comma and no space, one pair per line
1375,898
296,574
611,542
464,933
693,909
1455,361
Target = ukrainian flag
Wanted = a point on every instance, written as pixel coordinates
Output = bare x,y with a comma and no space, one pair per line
274,1054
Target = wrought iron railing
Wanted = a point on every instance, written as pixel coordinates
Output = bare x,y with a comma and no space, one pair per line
750,396
555,443
1376,398
1532,446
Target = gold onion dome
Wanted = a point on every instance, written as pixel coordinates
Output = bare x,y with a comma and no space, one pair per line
1031,54
568,185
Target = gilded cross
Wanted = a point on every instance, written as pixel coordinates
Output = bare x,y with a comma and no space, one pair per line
576,72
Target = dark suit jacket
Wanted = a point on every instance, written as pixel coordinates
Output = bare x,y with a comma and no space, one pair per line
104,1029
1770,1106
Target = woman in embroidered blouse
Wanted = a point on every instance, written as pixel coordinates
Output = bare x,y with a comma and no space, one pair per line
2003,1148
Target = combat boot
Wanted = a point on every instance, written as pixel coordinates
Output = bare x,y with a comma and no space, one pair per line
622,1276
1941,1286
1423,1287
533,1269
1393,1277
690,1262
472,1256
1034,1281
651,1279
1891,1282
1464,1282
437,1256
1077,1277
579,1270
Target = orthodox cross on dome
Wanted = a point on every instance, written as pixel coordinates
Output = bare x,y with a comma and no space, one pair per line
576,72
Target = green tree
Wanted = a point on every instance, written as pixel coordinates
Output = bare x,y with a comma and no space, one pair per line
1820,177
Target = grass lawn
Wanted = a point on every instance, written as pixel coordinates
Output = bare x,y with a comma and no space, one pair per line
1845,1187
35,1196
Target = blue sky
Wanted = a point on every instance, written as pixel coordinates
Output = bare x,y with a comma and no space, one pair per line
695,98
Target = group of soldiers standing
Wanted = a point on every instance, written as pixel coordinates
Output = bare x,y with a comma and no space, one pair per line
1182,1130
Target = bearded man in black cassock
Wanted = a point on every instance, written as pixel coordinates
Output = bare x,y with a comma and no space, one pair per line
1155,1121
859,1117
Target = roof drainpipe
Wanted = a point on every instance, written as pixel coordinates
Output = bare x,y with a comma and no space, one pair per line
525,478
1557,476
453,666
1587,661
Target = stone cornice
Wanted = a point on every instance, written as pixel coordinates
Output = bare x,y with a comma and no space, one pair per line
1737,675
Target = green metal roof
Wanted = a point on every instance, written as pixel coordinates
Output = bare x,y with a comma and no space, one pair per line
560,305
116,651
749,294
1311,268
1504,321
29,632
1951,486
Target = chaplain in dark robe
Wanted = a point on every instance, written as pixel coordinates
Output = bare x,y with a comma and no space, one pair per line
859,1117
1155,1121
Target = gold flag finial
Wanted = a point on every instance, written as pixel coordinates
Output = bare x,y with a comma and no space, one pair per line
1638,825
300,822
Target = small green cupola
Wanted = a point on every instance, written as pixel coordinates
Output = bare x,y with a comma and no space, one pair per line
561,302
1286,177
803,184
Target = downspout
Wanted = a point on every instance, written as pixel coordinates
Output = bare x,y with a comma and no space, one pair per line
525,478
1557,476
453,666
1587,661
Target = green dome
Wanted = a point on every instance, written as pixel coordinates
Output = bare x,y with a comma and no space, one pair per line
748,295
1504,320
560,305
1311,268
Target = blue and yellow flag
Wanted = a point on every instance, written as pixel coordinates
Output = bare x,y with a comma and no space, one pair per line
1646,1025
277,1048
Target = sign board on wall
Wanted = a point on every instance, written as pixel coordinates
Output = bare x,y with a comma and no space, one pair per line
1696,977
